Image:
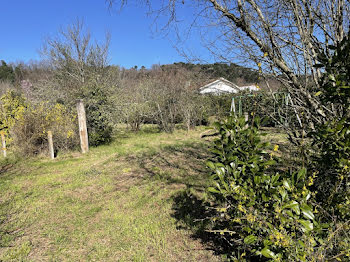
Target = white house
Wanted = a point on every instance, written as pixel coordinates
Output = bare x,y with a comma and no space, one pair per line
223,86
249,88
219,86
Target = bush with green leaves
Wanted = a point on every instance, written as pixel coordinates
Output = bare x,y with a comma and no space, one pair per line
261,213
6,72
98,113
330,151
331,140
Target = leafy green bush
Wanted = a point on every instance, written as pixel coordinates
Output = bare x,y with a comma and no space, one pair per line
331,140
98,114
330,151
261,213
6,72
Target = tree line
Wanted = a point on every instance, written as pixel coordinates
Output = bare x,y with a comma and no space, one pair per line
76,67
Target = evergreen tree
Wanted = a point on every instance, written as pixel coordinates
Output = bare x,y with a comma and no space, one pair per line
6,72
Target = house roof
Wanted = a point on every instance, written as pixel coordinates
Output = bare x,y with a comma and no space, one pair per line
219,86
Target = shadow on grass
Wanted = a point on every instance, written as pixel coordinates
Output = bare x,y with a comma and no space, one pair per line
7,233
183,165
193,213
6,167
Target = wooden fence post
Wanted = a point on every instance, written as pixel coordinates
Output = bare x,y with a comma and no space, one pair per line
3,143
49,136
84,141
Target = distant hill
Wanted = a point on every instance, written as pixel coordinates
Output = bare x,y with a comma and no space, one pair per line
232,72
239,75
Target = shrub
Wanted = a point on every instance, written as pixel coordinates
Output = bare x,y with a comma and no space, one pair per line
29,132
13,105
98,114
219,106
260,212
331,140
330,154
6,72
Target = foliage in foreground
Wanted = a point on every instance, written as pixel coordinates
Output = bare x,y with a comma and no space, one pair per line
331,139
301,216
260,212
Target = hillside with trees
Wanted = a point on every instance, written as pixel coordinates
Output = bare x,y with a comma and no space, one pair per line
232,72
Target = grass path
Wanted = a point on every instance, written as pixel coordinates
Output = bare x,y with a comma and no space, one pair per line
115,203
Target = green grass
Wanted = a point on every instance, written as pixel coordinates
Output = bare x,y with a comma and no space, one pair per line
115,203
132,200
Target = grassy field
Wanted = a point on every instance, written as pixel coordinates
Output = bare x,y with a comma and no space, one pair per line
121,202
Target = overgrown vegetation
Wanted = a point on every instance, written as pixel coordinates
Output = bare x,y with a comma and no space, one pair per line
260,212
26,125
331,140
256,207
283,215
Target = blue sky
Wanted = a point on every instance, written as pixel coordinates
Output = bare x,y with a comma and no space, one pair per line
26,23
